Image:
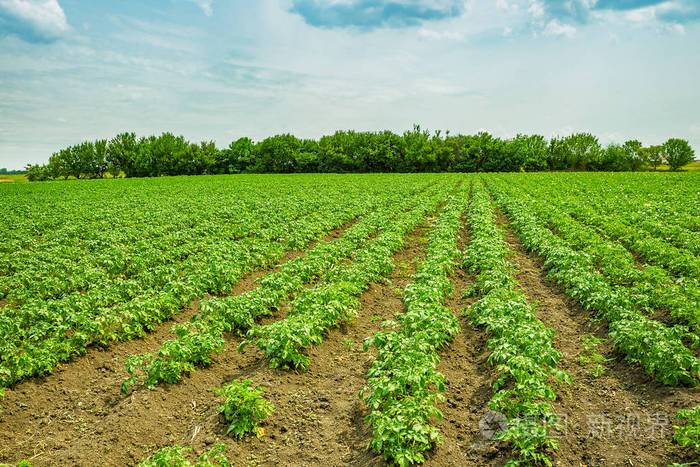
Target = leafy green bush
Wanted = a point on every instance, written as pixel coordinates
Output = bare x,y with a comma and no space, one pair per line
244,407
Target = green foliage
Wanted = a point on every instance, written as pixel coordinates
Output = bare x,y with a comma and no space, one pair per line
334,300
404,385
175,457
195,342
579,151
105,265
678,153
416,150
576,259
636,157
654,155
689,433
243,407
37,173
522,348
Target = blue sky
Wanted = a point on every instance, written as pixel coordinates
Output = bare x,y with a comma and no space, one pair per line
72,70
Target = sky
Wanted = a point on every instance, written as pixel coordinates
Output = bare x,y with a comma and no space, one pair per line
75,70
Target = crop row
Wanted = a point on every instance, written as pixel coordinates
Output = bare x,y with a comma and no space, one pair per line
660,205
404,384
36,336
196,341
663,206
334,300
651,287
521,346
89,254
659,349
39,335
648,237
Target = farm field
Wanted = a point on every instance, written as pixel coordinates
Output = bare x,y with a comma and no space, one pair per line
444,319
12,178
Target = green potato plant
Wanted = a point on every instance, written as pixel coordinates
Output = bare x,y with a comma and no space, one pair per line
243,407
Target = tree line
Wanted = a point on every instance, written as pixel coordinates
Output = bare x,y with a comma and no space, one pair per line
416,150
4,171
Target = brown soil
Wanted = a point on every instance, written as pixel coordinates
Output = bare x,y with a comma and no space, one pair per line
622,417
77,416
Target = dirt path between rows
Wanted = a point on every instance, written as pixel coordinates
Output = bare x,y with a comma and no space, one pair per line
622,417
78,417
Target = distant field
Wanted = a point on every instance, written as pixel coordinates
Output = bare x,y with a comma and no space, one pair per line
691,166
13,178
520,298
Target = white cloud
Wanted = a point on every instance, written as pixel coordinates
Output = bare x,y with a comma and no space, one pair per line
536,9
641,15
507,31
205,5
44,17
673,28
448,35
555,28
509,7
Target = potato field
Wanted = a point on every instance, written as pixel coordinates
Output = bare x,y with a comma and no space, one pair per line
443,319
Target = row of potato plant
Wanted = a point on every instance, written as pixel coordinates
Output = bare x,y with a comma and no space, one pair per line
651,286
522,348
640,238
335,299
404,385
660,206
658,348
154,282
605,210
197,340
38,337
687,432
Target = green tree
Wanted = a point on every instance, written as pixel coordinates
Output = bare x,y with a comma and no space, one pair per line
84,157
100,163
277,154
239,157
582,150
121,154
613,158
654,155
634,154
678,153
307,158
557,154
36,173
419,155
529,152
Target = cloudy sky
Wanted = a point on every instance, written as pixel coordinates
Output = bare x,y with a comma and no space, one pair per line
220,69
